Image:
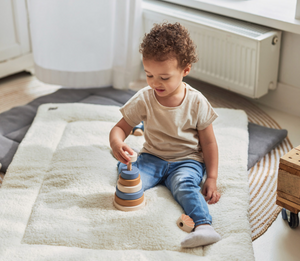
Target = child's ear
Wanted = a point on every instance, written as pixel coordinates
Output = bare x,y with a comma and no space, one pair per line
187,70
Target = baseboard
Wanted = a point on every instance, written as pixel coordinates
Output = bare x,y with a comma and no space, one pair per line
285,98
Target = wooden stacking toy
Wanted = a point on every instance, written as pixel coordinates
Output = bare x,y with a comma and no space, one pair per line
185,223
129,194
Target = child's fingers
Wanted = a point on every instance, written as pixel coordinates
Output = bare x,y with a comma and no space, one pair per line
125,153
120,158
215,197
208,195
125,157
129,150
125,148
203,191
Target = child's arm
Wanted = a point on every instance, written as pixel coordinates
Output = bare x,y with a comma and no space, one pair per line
210,153
116,138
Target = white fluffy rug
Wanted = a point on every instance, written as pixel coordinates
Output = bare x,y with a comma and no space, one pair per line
57,196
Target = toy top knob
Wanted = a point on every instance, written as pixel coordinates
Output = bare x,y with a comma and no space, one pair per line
133,158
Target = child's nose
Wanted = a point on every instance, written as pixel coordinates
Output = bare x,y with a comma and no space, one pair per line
156,83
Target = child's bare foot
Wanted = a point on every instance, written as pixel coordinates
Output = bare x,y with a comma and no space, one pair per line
203,235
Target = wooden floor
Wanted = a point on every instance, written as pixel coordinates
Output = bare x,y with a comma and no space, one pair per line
21,88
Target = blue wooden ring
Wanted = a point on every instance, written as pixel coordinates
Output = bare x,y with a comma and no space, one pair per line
129,174
129,196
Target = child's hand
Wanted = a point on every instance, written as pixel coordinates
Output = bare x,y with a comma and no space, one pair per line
210,192
120,154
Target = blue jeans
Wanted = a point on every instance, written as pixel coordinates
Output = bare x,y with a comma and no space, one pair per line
182,178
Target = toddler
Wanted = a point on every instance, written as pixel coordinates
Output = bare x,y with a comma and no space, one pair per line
180,144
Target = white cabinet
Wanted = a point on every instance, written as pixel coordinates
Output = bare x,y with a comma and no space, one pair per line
15,48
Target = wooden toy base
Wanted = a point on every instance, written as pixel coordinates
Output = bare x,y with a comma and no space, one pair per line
133,208
131,203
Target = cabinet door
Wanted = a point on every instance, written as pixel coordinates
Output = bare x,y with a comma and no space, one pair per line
14,33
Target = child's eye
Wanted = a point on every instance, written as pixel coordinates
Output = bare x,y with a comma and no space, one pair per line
149,76
165,79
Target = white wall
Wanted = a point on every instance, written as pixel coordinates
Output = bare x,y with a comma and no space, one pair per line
287,95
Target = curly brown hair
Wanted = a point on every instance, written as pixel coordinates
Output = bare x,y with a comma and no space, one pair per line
166,41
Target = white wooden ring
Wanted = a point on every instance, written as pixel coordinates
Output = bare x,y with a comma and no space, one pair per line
133,208
133,157
130,189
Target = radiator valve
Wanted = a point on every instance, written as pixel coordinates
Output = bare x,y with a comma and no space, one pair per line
275,40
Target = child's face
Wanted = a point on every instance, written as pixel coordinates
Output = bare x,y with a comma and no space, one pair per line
165,77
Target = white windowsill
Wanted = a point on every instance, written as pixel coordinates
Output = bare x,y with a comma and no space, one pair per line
279,14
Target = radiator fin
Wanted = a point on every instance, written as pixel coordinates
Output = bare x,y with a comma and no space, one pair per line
227,61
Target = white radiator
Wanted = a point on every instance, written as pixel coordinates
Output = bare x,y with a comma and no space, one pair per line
239,56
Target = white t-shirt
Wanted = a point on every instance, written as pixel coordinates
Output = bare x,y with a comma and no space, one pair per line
171,133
